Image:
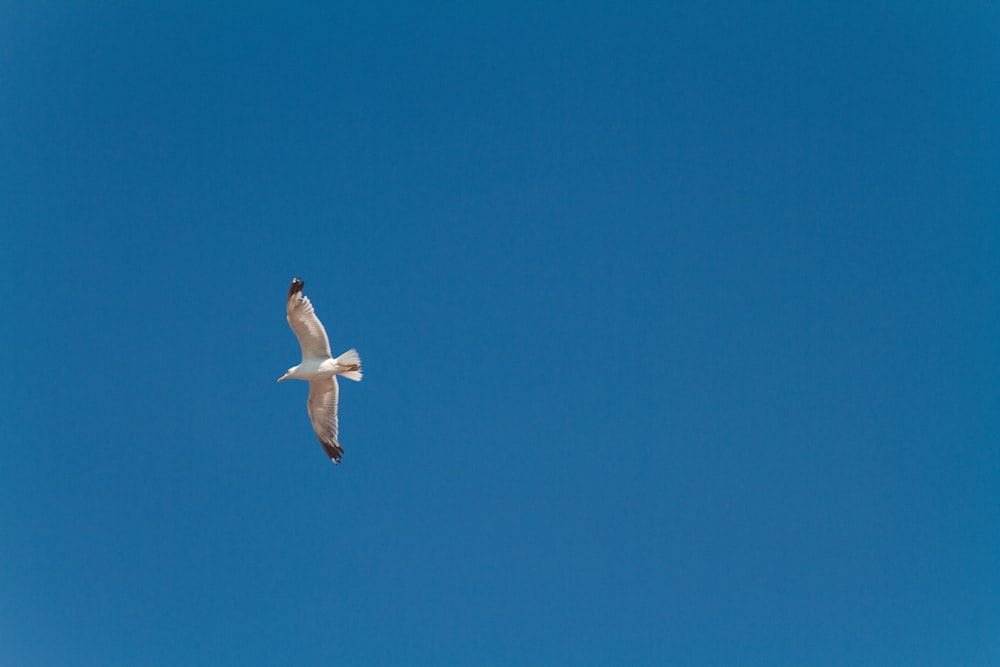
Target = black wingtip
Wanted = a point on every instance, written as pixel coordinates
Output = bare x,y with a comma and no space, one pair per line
335,451
296,287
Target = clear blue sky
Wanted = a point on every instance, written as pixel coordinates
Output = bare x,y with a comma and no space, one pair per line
679,326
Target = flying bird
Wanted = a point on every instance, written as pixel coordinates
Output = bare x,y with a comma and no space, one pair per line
319,369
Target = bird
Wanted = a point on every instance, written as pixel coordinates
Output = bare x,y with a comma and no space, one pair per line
319,369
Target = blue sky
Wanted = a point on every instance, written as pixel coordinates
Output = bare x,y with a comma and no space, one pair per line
679,327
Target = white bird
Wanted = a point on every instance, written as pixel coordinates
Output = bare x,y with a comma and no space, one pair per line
319,369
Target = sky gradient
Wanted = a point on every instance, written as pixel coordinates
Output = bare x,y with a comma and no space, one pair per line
679,328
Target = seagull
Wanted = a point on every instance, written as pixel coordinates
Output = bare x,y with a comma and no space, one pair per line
319,369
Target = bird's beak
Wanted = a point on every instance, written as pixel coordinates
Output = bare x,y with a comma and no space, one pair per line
283,377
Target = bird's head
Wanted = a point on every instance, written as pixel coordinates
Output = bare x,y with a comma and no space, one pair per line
288,374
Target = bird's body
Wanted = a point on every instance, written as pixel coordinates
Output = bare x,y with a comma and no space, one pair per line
312,369
319,369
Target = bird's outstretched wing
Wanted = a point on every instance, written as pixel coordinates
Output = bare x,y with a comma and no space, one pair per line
322,407
307,327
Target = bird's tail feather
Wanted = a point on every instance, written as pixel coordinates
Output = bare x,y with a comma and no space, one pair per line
352,361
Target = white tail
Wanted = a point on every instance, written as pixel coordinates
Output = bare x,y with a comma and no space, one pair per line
350,360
